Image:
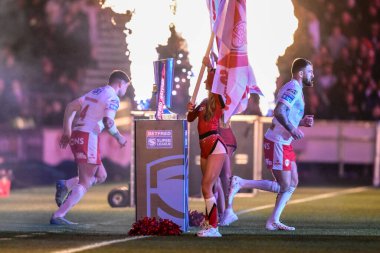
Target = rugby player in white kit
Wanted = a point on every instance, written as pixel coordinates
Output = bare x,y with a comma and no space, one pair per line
84,120
278,151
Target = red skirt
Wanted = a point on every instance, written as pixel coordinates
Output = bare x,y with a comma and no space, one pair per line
208,144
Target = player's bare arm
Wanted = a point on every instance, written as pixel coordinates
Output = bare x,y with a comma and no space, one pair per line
110,126
71,110
281,113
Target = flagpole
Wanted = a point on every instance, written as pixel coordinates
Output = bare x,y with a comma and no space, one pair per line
200,76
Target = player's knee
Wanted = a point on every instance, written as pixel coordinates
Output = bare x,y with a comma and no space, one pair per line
284,187
285,184
288,190
275,187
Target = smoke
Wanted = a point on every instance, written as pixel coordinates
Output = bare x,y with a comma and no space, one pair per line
271,25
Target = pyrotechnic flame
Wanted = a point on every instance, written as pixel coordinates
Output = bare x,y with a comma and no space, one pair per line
271,25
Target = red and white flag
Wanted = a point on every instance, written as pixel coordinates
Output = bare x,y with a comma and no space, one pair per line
234,78
213,7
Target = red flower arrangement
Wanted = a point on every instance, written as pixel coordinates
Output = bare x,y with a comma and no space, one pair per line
195,218
152,226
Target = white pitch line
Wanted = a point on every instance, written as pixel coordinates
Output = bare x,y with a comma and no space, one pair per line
23,236
308,199
5,239
99,244
297,201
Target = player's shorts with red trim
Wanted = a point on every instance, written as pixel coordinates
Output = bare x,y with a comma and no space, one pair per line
85,147
278,156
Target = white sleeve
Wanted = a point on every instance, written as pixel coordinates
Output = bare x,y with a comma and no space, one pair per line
289,96
111,107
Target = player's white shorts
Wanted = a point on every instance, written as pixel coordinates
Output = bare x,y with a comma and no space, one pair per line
85,147
278,156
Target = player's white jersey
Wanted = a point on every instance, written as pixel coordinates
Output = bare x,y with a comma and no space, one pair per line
95,105
292,96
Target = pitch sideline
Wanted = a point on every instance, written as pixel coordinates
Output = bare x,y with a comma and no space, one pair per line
296,201
99,244
308,199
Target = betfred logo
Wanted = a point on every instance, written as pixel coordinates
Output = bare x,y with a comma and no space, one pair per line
76,141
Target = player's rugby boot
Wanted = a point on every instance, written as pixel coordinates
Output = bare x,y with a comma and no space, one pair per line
234,188
228,217
209,231
273,226
61,221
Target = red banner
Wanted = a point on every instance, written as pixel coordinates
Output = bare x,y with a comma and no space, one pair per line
234,78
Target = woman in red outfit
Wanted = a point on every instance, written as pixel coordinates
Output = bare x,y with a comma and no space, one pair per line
213,152
221,188
227,215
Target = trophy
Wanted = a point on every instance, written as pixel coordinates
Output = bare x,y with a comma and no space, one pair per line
162,89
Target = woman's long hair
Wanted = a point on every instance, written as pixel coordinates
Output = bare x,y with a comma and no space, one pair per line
210,106
222,124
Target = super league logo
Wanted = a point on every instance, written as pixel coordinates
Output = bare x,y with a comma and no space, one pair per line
165,177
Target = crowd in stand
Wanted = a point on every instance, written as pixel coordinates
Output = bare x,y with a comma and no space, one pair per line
342,39
49,43
43,55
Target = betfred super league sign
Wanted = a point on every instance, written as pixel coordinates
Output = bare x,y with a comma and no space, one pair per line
161,164
157,139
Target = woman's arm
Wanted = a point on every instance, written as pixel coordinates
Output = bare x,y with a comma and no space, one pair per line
192,113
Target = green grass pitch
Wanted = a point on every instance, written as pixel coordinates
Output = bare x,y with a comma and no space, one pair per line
348,222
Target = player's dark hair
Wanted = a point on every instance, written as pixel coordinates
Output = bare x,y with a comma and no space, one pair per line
299,64
118,75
